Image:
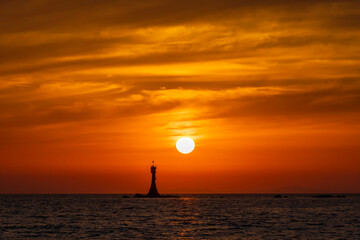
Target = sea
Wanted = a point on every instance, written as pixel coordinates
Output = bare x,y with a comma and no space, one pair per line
192,216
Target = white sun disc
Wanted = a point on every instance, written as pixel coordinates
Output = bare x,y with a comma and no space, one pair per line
185,145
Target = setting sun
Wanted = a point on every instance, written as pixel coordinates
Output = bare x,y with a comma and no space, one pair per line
185,145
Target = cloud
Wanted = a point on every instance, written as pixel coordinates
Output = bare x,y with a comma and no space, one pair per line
84,61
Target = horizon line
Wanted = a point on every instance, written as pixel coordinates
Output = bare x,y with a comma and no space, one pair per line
289,193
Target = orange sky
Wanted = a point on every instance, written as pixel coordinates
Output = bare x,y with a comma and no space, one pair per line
92,91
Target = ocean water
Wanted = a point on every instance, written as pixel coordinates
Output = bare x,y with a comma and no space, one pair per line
188,217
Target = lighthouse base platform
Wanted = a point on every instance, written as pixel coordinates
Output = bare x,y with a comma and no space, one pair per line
138,195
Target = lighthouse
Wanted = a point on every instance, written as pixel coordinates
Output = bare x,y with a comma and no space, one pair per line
153,192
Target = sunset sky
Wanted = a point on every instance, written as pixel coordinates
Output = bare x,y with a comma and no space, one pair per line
92,91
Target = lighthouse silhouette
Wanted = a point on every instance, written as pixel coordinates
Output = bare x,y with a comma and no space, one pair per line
153,192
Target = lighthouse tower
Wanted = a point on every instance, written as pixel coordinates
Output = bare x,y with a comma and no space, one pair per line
153,192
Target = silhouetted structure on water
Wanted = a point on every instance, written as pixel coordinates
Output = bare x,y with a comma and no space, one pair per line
153,192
